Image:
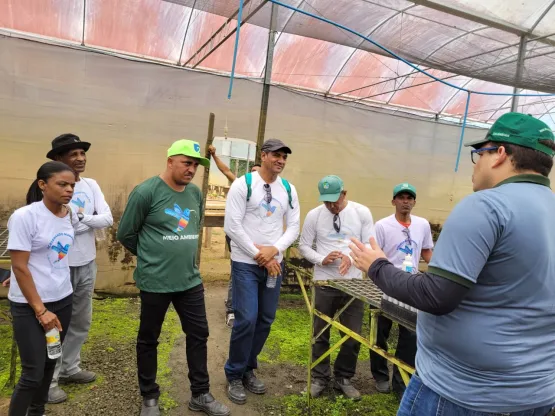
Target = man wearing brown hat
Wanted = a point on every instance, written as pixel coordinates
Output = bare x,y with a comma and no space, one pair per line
258,208
93,213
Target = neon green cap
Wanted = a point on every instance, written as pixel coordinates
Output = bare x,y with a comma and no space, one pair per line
188,148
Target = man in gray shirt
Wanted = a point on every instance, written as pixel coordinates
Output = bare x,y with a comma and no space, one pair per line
486,333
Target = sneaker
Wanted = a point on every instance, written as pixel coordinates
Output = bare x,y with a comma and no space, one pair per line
236,392
150,407
383,386
316,389
56,395
253,384
344,385
82,377
207,404
229,319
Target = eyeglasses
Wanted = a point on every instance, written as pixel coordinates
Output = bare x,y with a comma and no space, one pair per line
479,151
268,196
336,223
408,240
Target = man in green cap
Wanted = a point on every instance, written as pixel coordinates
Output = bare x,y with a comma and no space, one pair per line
332,225
160,226
486,330
400,235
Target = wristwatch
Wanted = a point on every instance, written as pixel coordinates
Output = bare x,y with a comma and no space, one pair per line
80,215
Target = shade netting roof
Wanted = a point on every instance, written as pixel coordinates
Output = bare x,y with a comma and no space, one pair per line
470,43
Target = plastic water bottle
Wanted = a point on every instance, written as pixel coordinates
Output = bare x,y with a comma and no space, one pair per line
53,344
271,281
407,264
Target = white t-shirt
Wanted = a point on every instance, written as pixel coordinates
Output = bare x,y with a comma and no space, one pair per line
395,242
356,221
88,198
257,222
34,228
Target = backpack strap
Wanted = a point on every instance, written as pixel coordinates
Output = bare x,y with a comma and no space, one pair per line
248,180
288,189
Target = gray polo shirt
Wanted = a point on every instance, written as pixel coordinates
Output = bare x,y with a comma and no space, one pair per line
496,351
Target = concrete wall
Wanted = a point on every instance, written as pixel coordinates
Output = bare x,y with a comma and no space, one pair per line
131,112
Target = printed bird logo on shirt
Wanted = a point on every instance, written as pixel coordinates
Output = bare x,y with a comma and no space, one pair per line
269,209
61,250
182,215
79,203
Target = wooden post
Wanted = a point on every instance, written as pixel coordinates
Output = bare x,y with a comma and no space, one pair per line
209,140
208,238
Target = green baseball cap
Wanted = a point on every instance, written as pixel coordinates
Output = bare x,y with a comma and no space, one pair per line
188,148
404,187
519,129
330,188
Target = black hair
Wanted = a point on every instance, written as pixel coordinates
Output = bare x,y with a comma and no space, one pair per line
45,172
525,158
256,165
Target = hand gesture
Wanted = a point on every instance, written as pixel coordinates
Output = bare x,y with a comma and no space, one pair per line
212,150
345,265
363,256
331,257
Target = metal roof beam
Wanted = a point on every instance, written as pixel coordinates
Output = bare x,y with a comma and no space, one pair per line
225,31
383,22
485,20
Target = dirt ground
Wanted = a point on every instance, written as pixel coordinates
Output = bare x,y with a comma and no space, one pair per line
116,392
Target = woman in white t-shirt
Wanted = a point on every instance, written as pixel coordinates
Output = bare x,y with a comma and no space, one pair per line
40,235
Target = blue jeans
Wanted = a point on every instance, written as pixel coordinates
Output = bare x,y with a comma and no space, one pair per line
419,400
255,308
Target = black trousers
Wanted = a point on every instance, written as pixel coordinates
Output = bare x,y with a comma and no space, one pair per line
329,301
406,351
31,392
191,310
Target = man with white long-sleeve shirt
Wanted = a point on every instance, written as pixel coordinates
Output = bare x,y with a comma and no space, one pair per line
258,207
93,213
332,225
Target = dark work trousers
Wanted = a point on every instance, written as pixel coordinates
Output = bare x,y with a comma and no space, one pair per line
329,301
405,351
229,300
190,308
31,393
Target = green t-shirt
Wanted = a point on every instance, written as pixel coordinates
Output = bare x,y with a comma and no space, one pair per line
161,226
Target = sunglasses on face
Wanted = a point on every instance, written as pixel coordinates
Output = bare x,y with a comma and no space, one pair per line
268,196
408,240
336,223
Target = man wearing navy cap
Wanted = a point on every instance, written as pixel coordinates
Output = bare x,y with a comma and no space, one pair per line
259,206
486,333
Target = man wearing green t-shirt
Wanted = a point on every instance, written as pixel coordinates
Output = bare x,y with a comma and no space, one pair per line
160,226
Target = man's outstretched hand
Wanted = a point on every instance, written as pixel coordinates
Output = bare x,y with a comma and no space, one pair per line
364,257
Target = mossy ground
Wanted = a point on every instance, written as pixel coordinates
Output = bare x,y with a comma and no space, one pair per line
110,350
